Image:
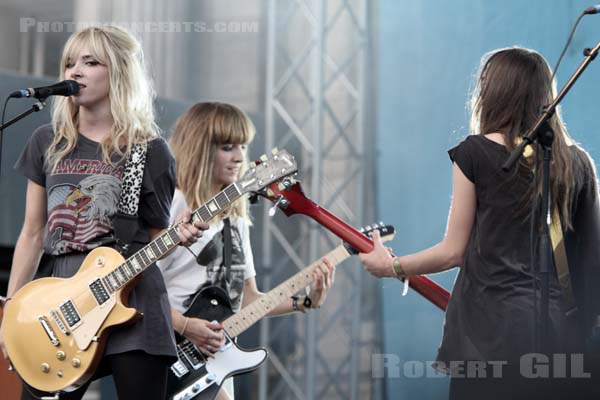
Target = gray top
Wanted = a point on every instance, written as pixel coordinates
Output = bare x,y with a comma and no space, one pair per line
82,197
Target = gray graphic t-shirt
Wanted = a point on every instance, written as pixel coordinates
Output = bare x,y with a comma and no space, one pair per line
82,197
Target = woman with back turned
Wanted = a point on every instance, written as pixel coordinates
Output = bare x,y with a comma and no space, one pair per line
489,317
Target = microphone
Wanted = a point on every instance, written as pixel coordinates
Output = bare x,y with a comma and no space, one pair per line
64,88
592,10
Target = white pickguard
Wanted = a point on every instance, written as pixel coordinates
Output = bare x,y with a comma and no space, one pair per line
231,359
228,361
87,330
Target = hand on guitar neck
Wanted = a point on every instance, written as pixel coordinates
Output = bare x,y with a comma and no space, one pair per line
378,262
189,231
324,276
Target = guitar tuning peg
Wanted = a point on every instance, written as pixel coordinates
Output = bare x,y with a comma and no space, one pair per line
275,151
280,202
381,224
252,165
270,193
264,158
281,186
362,229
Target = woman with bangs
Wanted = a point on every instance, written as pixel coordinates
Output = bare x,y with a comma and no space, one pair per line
210,144
489,320
75,169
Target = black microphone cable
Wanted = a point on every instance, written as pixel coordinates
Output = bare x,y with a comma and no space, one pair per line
562,54
2,133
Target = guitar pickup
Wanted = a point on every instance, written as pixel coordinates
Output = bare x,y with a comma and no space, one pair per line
69,313
99,291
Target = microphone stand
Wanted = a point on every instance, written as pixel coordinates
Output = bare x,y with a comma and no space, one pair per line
542,132
34,108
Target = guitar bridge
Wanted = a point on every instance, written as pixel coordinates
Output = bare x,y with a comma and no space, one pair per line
49,331
193,356
179,369
59,323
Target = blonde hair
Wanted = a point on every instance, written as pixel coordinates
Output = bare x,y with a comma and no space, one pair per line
194,141
131,94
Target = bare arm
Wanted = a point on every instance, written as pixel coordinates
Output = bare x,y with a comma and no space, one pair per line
323,275
29,244
251,293
31,239
446,254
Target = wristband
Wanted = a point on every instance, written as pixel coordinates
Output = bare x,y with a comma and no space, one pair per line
397,268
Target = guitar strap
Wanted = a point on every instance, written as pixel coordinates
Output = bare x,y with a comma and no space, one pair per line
125,222
227,248
561,263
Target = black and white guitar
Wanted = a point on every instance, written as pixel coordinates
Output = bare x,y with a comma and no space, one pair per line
194,376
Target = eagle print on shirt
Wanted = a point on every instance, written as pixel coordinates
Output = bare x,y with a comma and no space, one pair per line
79,214
211,258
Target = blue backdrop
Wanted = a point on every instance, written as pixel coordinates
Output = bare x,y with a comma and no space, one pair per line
429,52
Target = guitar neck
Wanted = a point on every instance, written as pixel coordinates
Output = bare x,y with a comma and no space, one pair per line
421,284
253,312
303,205
156,249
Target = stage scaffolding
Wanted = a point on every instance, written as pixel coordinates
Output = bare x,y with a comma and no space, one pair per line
320,106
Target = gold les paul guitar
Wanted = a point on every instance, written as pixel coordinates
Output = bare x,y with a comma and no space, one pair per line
55,329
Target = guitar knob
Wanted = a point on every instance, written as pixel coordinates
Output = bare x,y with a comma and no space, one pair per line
196,388
45,367
76,363
61,355
275,150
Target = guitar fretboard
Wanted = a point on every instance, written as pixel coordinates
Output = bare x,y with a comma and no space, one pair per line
249,315
160,246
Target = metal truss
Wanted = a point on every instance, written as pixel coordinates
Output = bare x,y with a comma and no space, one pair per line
319,106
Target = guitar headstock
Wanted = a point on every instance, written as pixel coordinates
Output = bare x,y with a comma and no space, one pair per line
386,232
288,196
267,170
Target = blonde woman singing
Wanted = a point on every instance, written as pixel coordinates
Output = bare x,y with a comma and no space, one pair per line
74,168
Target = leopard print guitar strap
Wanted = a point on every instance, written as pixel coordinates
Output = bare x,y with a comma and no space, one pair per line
132,180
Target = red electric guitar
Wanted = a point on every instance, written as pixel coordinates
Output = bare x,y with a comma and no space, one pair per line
289,197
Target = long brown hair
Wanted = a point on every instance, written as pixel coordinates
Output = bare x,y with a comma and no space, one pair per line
514,85
194,141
